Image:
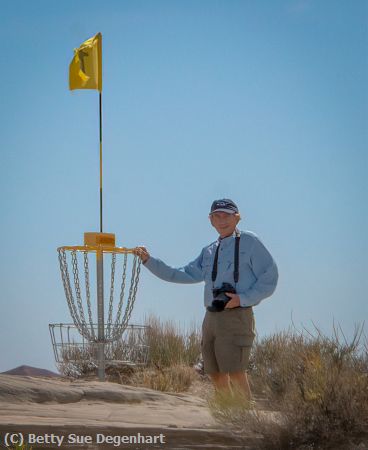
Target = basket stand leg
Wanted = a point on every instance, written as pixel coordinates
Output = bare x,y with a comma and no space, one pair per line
100,316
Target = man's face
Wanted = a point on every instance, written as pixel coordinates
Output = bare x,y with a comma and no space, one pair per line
224,223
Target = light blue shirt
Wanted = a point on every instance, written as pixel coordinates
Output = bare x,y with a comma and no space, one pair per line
258,272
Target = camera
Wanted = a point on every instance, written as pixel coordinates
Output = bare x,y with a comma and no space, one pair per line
220,298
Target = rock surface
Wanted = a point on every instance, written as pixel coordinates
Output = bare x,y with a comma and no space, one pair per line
47,407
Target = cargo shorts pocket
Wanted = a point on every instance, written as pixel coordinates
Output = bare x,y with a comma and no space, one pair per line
244,343
243,340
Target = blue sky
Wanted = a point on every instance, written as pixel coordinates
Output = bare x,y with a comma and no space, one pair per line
263,102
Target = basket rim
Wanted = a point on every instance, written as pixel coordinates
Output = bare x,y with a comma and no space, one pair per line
96,249
73,325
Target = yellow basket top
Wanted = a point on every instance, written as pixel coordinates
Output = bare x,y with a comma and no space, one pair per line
98,242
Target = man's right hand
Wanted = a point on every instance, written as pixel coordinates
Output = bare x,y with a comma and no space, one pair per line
142,253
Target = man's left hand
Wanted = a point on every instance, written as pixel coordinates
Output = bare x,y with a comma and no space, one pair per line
234,302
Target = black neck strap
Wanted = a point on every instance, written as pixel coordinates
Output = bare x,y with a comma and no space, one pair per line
236,259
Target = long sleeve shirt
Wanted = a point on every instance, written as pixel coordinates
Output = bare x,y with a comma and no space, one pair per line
258,272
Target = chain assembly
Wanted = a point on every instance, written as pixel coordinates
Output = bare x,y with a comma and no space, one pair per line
115,326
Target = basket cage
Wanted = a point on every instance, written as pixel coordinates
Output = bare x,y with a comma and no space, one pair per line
70,346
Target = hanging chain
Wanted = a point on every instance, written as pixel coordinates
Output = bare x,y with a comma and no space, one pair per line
119,330
115,328
88,294
67,287
85,331
121,300
69,293
111,302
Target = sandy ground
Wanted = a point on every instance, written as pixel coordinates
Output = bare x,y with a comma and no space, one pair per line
94,415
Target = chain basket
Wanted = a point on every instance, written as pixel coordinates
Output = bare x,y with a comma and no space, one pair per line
73,292
116,275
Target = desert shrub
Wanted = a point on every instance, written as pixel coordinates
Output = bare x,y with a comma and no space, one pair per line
77,361
169,346
171,352
317,385
177,378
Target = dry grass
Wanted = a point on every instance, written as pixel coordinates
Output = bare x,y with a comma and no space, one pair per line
169,346
317,385
77,362
172,354
177,378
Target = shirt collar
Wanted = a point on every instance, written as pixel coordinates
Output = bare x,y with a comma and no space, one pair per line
220,239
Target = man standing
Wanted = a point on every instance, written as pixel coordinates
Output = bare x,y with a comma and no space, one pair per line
238,272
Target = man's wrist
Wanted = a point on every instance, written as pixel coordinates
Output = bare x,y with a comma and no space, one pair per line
147,261
243,300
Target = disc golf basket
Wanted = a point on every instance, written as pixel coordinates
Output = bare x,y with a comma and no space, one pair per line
85,265
112,340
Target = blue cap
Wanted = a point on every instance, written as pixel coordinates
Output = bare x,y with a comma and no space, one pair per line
224,205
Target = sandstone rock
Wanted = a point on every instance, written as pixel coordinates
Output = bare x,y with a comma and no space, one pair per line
35,405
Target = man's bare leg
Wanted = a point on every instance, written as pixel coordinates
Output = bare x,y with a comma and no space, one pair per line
240,383
221,382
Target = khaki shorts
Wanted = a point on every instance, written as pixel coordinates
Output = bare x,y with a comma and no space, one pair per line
227,338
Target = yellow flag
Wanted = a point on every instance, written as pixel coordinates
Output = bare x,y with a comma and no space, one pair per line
85,70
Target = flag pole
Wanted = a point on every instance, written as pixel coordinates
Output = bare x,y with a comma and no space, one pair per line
85,72
100,96
100,282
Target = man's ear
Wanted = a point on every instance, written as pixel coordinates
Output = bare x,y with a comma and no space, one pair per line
238,217
211,219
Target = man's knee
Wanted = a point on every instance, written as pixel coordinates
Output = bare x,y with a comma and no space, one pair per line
218,376
220,380
241,375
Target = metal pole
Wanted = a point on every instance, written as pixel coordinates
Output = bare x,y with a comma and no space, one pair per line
100,316
99,256
100,96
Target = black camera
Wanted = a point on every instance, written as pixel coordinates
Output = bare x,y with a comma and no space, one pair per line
220,298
